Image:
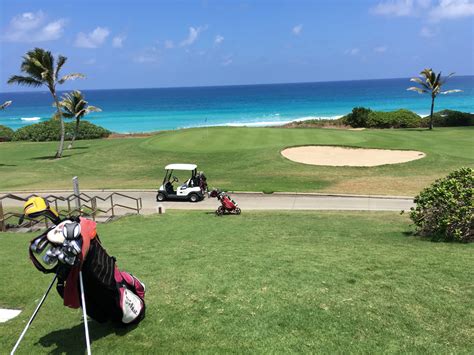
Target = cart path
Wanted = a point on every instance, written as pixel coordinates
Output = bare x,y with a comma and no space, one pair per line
251,201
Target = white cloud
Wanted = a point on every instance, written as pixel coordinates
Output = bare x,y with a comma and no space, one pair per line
297,29
92,39
32,27
380,49
452,9
169,44
91,61
353,51
427,32
400,7
219,39
192,36
117,41
433,11
148,55
227,60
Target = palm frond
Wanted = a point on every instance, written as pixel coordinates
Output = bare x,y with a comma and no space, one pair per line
24,80
61,61
421,82
5,105
450,91
418,90
93,109
73,76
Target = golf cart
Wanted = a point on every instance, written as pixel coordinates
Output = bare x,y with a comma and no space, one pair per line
193,189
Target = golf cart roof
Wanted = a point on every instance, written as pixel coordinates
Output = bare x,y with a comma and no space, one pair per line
189,167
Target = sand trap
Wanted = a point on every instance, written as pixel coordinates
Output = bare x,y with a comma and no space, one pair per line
341,156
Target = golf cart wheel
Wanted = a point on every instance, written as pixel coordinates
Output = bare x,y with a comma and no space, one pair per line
193,198
220,211
238,210
160,197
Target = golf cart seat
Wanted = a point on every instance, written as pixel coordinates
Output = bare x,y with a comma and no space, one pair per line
169,188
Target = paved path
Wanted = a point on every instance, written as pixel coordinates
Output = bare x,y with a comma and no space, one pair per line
257,201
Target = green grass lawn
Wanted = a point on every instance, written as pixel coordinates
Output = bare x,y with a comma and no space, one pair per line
239,159
262,282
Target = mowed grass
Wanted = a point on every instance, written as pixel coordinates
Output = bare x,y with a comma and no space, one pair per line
262,282
239,159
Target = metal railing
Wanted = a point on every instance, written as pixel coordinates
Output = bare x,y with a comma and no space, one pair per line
90,206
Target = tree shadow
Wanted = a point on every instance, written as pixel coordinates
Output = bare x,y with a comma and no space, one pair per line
72,340
49,157
8,165
77,148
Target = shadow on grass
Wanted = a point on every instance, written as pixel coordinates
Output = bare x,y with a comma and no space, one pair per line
51,157
77,148
8,165
72,340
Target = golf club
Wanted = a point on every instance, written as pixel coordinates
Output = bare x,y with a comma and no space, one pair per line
34,315
86,327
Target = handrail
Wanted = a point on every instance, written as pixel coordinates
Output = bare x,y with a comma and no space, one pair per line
85,202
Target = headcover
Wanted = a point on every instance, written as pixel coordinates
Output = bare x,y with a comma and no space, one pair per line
37,206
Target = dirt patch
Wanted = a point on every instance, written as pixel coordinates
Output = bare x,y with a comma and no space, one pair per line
342,156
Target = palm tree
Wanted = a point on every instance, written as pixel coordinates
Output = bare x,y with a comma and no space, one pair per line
74,105
5,105
431,83
41,70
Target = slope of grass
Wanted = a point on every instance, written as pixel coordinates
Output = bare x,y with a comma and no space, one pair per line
239,159
262,282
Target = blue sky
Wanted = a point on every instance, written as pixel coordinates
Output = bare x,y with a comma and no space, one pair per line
136,44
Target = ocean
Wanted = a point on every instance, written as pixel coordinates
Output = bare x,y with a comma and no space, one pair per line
145,110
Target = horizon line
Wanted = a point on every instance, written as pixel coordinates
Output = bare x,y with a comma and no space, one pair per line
226,85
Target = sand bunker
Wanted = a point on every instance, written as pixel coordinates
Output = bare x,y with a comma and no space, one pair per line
341,156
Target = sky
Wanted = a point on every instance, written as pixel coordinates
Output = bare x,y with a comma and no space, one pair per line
146,44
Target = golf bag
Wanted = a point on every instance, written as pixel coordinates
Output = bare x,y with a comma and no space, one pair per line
72,246
228,205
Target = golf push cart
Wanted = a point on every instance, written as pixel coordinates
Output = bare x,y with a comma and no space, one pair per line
193,189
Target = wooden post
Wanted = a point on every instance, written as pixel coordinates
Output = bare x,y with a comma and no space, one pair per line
112,203
3,227
94,207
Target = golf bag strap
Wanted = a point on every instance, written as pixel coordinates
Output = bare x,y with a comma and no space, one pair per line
71,293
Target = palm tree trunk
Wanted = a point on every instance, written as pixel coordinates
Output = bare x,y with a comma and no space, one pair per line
59,152
76,132
431,114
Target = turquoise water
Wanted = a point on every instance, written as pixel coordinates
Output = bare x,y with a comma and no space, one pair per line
144,110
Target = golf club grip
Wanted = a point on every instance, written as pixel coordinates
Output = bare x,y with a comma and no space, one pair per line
34,315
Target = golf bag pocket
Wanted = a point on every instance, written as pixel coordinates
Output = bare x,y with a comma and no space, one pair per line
131,305
131,296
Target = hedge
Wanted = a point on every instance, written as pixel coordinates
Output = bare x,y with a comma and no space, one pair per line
50,131
6,133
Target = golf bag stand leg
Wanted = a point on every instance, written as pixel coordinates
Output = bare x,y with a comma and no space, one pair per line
34,315
84,313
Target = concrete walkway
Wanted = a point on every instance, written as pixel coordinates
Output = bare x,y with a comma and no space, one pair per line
253,201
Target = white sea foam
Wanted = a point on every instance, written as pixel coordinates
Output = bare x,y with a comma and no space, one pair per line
265,123
30,118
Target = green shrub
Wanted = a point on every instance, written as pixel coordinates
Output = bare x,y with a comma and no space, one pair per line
6,133
50,131
394,119
444,210
450,118
357,118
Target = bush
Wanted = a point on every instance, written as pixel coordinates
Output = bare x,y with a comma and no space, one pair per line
357,118
50,131
394,119
450,118
444,210
6,133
